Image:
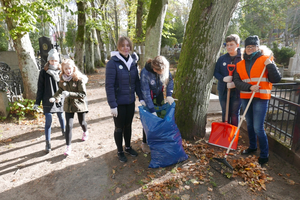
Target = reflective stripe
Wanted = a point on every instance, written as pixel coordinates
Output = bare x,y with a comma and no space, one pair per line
262,79
260,91
256,80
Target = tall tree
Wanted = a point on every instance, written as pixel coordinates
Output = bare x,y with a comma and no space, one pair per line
79,45
205,31
19,28
154,27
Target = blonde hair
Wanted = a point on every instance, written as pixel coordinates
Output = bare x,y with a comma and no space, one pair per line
77,75
160,63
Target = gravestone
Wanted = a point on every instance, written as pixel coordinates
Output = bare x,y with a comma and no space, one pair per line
294,64
45,46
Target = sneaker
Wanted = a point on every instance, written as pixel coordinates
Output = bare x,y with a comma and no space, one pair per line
68,150
48,146
130,151
248,151
262,161
122,157
85,136
145,148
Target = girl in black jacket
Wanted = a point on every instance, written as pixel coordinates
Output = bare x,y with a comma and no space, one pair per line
47,86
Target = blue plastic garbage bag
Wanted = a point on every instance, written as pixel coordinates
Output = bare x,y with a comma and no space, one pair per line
163,136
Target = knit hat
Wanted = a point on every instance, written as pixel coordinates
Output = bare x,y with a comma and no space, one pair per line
53,55
252,40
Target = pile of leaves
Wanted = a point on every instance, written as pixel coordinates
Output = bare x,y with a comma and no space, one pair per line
194,173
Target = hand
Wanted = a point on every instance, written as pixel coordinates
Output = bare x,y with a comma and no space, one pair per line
57,100
114,112
65,93
52,99
230,85
268,61
35,107
143,102
154,113
227,79
170,100
255,88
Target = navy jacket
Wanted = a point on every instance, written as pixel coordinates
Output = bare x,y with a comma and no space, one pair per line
221,71
121,84
150,82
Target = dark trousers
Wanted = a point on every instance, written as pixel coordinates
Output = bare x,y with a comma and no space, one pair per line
123,123
69,125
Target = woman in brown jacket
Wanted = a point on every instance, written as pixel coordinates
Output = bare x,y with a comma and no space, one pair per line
72,87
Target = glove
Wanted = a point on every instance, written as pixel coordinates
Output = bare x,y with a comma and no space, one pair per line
227,79
65,93
170,100
230,85
154,113
58,100
35,107
114,112
52,99
143,102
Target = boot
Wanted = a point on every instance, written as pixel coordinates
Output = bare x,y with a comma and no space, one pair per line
48,146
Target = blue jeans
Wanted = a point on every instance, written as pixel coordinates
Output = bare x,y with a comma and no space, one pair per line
48,123
255,118
234,107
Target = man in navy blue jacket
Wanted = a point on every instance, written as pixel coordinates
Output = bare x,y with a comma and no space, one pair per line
221,73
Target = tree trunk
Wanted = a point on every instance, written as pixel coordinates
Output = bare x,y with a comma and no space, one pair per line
97,54
207,25
101,47
286,31
27,63
155,22
79,44
89,53
116,21
139,31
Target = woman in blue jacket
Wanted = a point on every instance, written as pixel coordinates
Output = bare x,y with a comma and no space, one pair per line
121,84
154,77
233,56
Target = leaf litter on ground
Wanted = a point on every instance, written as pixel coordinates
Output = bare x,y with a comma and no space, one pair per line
196,173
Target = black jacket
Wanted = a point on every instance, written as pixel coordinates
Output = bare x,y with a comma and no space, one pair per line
47,87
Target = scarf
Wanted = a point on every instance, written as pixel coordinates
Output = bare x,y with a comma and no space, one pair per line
54,72
67,78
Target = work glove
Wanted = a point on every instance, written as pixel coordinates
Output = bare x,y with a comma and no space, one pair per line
52,99
154,113
35,107
65,93
227,79
170,100
114,112
230,85
143,102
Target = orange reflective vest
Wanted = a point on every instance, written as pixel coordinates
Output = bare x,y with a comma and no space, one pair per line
257,68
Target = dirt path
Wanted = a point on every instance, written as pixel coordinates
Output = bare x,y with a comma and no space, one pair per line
94,172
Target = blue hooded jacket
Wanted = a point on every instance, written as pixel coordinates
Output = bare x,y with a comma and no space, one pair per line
221,71
122,80
150,81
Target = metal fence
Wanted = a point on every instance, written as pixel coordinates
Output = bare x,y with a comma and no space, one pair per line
11,82
282,119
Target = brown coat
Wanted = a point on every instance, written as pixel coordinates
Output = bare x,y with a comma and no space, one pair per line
76,101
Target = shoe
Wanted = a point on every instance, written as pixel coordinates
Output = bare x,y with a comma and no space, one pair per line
262,161
130,151
85,136
68,150
145,148
122,157
48,146
248,151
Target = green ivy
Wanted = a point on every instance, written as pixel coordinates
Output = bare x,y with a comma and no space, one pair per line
23,109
